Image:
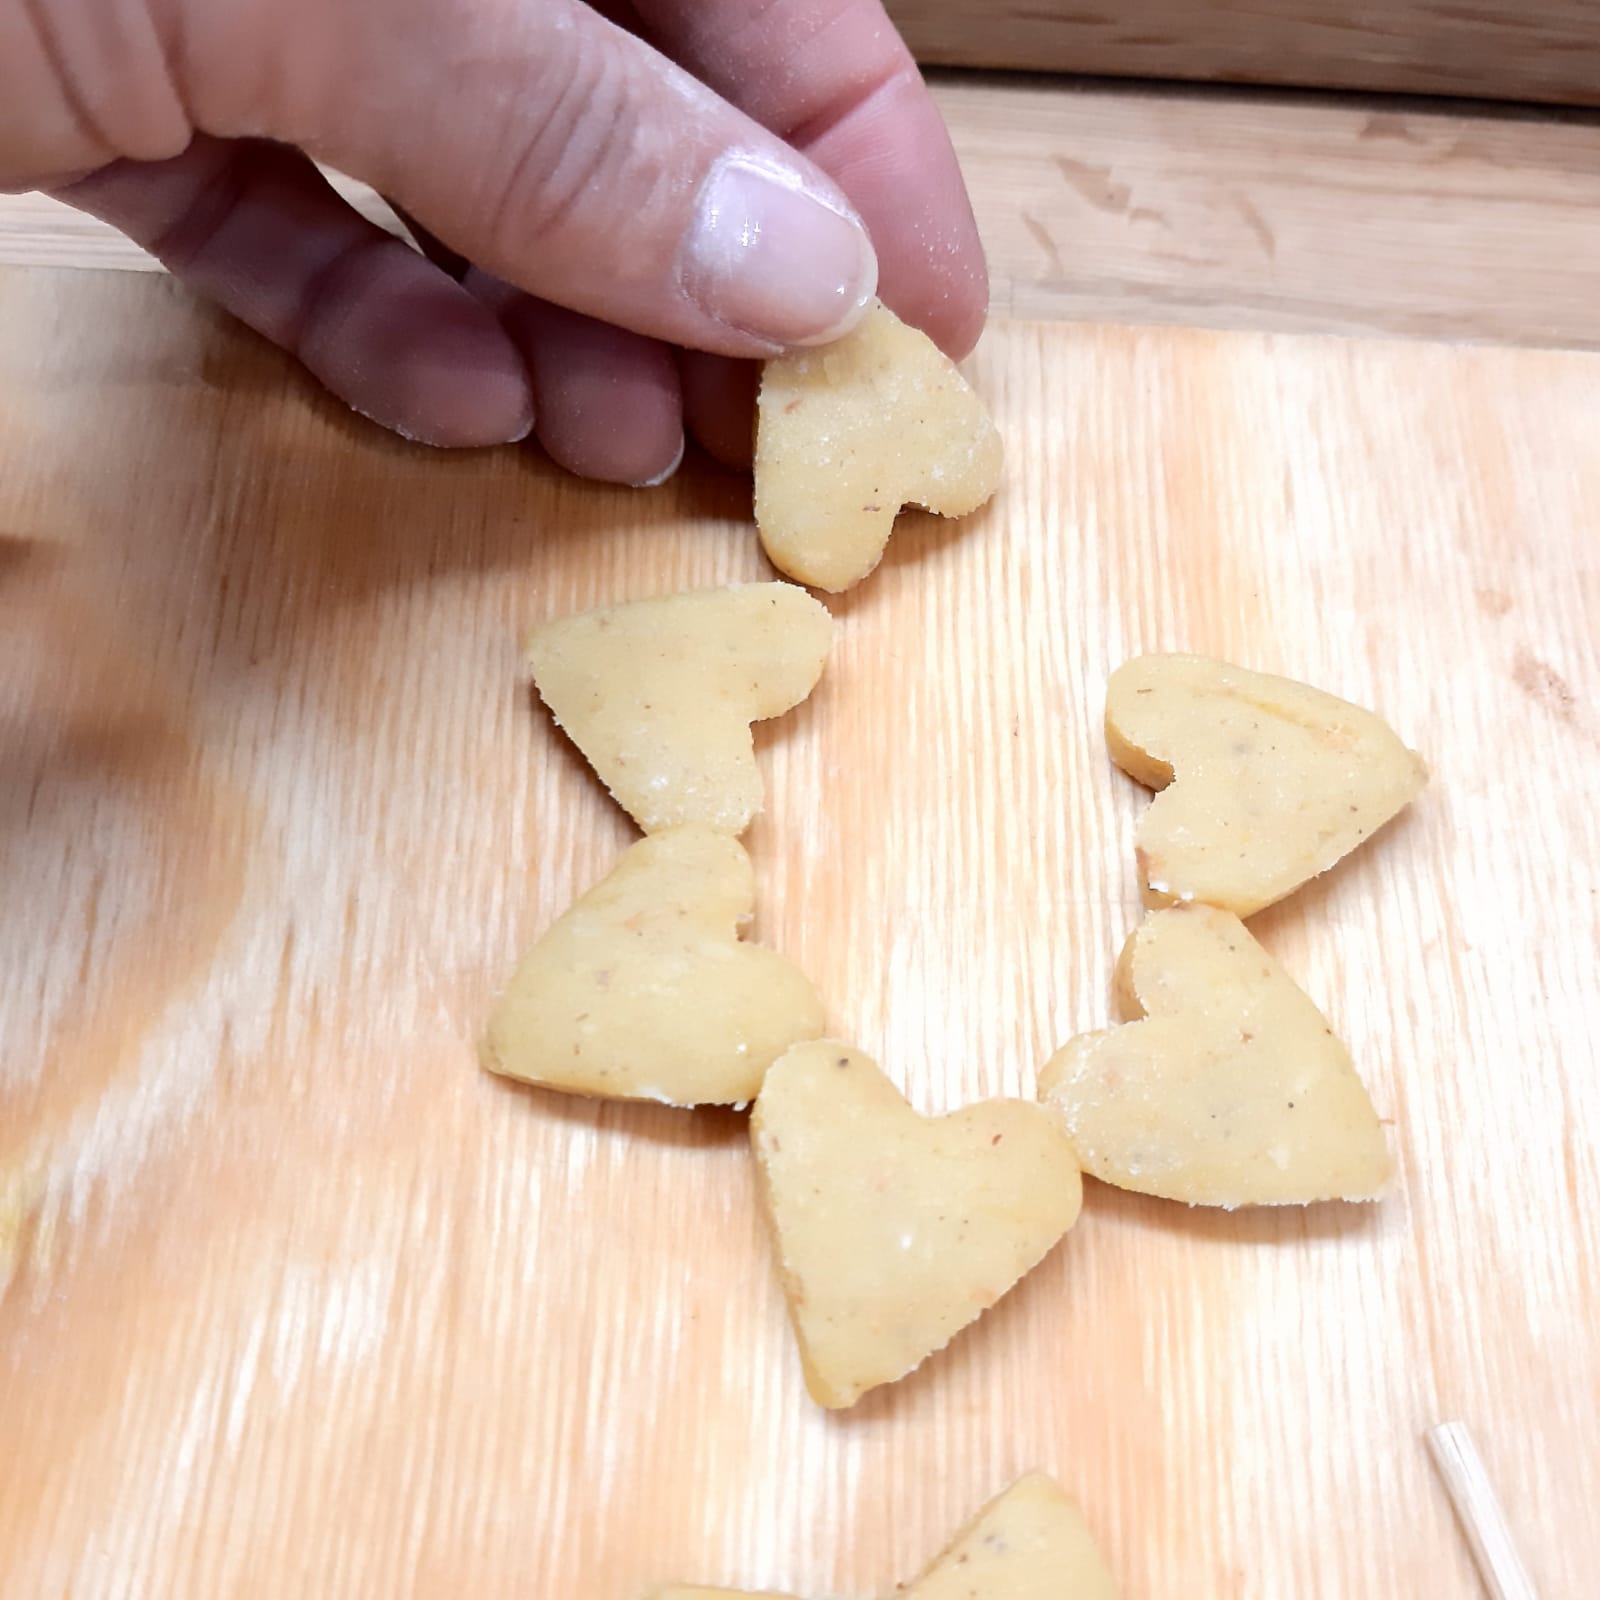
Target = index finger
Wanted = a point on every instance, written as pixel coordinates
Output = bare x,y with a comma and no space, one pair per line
834,79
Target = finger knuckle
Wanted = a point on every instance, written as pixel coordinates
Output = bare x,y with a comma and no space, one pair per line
575,158
87,84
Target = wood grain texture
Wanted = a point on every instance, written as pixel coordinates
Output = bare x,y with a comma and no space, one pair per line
298,1298
1544,50
1291,215
1226,211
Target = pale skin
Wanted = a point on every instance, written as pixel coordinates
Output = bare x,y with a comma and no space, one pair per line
621,204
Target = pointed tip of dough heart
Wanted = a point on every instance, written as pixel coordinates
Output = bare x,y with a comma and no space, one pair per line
1231,1090
894,1231
1264,783
1030,1540
849,433
659,694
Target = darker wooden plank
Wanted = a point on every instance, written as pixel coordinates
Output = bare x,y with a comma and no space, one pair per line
1547,51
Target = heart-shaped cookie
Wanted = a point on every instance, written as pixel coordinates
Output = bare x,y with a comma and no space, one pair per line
1232,1090
894,1231
849,433
642,990
1030,1543
659,694
1264,782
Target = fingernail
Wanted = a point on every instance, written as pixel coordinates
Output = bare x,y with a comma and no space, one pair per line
667,472
770,257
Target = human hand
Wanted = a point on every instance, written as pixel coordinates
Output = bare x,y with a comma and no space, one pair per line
623,215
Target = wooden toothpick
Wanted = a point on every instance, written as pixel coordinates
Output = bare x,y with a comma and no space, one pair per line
1478,1509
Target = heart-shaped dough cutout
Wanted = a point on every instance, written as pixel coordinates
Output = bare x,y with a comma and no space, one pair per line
1232,1090
1030,1543
659,694
849,433
1271,781
894,1231
642,990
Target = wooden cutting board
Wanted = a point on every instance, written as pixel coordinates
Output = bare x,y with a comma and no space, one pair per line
298,1300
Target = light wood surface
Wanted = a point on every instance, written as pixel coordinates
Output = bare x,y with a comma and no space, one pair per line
1303,215
299,1300
1221,210
1544,50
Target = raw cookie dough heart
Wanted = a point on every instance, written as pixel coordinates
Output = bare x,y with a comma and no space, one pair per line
1232,1090
1271,782
893,1230
659,694
848,433
644,991
1030,1543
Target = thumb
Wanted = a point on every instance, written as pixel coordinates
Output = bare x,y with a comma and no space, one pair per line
566,156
